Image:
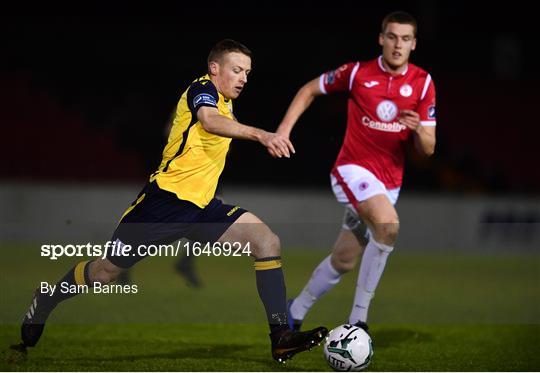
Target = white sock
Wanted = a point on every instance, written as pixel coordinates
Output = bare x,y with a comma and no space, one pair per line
324,278
371,269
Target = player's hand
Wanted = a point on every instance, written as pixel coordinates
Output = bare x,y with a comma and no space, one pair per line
277,145
410,119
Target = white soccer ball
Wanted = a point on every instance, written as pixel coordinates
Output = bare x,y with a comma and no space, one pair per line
348,348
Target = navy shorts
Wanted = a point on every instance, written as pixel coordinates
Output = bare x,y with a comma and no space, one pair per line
160,217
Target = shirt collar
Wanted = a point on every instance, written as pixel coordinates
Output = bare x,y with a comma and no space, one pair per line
379,61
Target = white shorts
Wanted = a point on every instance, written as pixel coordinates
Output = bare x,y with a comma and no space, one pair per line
352,184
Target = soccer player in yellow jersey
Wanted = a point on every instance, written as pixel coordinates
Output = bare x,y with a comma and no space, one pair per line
178,201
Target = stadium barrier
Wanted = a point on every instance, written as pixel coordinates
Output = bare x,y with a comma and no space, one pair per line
62,213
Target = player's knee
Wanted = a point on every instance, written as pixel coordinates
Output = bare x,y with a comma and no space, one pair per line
391,231
269,245
273,245
387,233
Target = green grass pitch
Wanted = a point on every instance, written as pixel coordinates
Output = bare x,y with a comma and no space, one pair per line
433,312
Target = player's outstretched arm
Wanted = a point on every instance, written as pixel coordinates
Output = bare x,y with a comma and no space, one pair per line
304,97
278,145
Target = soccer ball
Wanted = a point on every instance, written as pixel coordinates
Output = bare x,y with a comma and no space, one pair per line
348,348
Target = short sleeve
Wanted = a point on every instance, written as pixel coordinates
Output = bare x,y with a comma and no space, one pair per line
338,80
202,93
426,107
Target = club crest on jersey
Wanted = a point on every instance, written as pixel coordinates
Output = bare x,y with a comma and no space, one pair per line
405,90
387,111
431,112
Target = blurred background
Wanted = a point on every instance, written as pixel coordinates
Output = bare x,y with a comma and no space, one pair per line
85,100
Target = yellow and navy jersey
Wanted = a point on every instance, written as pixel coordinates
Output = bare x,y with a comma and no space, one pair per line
193,159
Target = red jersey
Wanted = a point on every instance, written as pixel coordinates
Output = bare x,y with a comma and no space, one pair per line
374,138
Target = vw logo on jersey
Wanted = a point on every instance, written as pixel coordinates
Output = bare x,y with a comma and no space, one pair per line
405,90
387,110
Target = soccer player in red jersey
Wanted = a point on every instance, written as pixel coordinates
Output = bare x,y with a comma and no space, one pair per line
389,101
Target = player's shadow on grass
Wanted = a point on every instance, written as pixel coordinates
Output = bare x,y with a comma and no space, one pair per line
393,336
233,353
